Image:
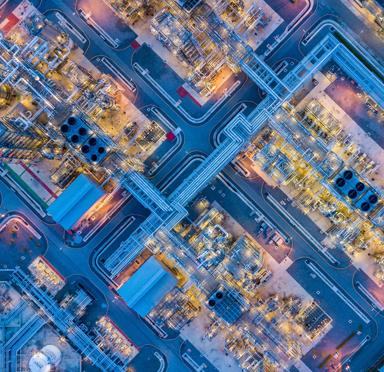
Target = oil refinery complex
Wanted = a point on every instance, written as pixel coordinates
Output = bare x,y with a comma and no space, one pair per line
191,185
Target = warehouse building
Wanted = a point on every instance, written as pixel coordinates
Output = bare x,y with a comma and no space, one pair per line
74,202
147,286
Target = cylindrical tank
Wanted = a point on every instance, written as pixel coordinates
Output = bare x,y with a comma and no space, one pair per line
53,354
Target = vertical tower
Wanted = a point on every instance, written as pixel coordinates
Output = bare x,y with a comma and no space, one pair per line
15,145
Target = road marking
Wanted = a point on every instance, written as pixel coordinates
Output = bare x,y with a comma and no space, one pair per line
161,360
21,220
357,348
157,328
128,82
164,120
186,163
192,363
107,244
23,195
145,73
301,228
64,23
374,301
102,33
260,216
117,233
254,209
340,294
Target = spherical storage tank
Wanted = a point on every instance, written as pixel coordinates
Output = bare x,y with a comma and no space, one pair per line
39,363
43,361
53,354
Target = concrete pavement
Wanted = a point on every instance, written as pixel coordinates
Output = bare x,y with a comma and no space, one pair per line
70,261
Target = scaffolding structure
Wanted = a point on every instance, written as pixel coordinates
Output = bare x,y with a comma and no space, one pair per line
64,321
238,132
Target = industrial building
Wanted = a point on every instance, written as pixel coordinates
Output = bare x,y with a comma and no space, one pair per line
225,266
74,201
147,286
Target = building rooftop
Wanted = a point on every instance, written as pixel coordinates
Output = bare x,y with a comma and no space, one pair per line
147,286
74,201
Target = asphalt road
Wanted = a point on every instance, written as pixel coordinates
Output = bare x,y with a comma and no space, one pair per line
198,139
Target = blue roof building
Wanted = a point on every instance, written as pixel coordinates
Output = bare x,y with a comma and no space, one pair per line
147,286
74,201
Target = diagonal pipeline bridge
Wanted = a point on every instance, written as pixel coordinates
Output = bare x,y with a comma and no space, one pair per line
166,212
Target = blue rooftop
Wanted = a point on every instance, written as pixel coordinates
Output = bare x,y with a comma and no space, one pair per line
147,286
74,201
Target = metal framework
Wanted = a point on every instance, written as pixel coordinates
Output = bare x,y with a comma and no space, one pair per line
316,58
64,321
166,213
